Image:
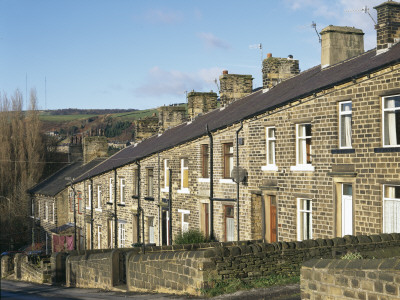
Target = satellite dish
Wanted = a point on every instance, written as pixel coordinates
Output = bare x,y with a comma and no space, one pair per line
240,176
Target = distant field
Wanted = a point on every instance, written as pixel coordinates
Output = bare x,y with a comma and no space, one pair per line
64,118
134,115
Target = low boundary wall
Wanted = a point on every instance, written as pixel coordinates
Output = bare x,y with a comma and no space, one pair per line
357,279
93,270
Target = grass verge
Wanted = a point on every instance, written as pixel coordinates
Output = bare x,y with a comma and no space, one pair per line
228,286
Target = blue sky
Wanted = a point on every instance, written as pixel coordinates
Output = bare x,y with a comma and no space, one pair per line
144,54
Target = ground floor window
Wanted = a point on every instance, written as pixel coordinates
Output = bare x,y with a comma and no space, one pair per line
150,224
121,233
99,237
229,223
304,219
391,208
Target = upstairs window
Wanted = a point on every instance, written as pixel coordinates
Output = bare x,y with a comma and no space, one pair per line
391,121
270,139
150,181
99,196
80,203
89,206
303,138
135,182
184,174
166,174
110,191
204,161
345,114
228,159
391,208
122,190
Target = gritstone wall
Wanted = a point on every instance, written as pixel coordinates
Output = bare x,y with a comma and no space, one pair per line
356,279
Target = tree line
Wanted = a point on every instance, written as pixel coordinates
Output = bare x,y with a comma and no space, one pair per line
22,161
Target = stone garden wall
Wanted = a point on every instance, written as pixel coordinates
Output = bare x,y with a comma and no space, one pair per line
355,279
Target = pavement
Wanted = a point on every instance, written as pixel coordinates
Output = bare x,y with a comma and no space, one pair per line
11,290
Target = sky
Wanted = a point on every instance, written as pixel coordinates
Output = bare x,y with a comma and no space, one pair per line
106,54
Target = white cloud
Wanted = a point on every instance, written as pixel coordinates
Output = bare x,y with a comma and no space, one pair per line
211,41
341,13
163,16
174,83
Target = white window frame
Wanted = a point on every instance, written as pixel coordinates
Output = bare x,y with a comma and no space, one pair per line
99,236
385,199
122,190
111,192
184,190
306,166
46,211
54,218
99,198
89,206
121,233
151,236
341,126
270,140
300,226
165,189
184,225
384,110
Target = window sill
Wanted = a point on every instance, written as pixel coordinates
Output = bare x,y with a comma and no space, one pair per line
343,151
269,168
302,168
110,203
387,149
165,190
88,208
98,209
203,180
149,198
121,204
226,180
183,191
135,197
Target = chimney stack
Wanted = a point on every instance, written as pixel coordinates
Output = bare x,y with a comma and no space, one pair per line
388,27
339,43
199,103
276,69
233,87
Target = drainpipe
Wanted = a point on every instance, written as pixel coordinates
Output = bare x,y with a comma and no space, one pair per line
91,214
170,206
211,184
115,211
139,209
237,179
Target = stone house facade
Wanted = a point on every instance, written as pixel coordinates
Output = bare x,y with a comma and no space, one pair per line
315,155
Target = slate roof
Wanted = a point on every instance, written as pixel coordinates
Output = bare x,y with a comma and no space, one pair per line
57,182
305,84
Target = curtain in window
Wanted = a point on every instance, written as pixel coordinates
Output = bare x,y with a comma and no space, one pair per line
392,214
230,229
390,130
347,127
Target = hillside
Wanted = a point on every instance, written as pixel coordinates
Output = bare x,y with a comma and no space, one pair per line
117,125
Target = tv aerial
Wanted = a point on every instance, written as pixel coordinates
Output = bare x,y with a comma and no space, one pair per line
314,25
365,9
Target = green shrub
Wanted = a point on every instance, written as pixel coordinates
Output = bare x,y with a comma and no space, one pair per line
192,236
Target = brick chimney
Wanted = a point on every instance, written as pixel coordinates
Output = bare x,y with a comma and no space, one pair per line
199,103
234,86
276,69
339,43
388,27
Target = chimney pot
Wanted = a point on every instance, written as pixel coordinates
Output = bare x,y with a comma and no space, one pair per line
290,56
269,55
224,72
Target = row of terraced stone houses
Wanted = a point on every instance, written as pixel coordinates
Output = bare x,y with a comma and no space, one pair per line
310,155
